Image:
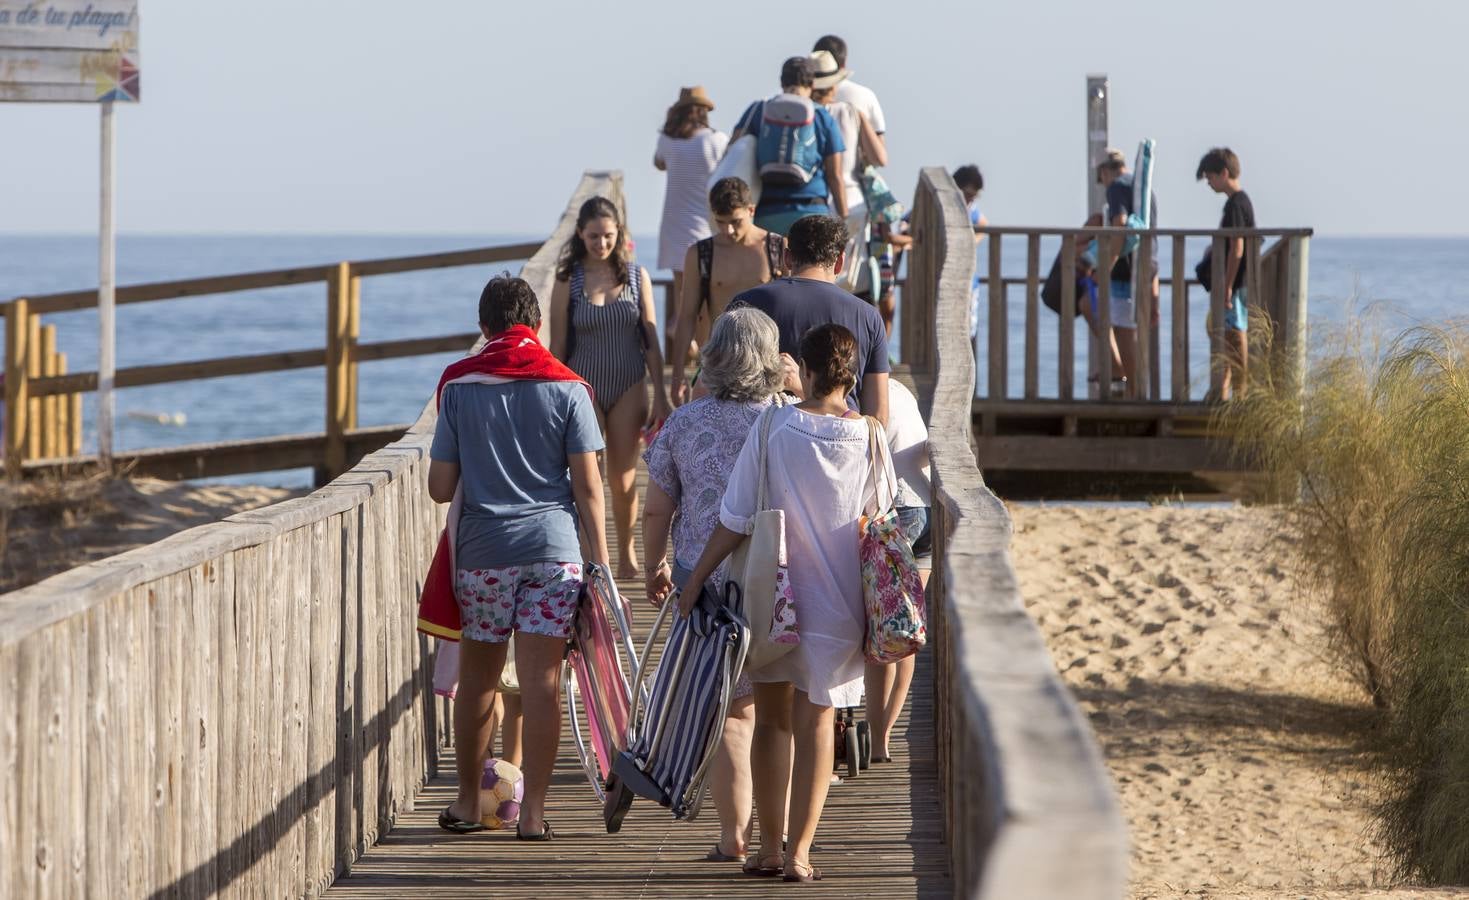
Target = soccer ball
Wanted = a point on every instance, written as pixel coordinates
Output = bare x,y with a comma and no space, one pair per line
501,788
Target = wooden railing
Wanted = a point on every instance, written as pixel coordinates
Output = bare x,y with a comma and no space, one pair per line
42,403
1275,282
240,709
1029,809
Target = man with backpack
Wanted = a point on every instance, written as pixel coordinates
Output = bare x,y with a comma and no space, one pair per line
739,256
798,152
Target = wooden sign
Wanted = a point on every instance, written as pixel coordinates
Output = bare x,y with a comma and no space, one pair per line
65,51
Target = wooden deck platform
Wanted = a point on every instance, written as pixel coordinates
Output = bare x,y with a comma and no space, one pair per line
879,836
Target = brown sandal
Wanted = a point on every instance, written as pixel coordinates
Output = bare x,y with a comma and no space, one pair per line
754,865
812,873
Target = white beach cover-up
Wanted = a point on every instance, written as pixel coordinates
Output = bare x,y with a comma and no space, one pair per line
820,476
686,199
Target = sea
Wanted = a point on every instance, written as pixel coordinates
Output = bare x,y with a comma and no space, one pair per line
1399,281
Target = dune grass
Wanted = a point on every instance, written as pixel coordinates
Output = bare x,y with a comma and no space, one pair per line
1374,446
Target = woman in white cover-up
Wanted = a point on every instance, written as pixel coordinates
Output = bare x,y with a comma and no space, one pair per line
819,473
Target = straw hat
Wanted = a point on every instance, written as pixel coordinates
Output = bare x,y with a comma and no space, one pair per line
694,96
825,71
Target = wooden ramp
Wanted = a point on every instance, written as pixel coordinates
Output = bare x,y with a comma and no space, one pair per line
880,835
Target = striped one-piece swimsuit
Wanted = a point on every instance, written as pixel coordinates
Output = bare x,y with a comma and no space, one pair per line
609,350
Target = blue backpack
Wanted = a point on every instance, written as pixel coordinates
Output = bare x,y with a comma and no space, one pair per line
785,149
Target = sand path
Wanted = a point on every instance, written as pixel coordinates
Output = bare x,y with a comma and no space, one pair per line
1235,743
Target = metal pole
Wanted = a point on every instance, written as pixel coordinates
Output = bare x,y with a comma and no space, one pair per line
1097,92
106,297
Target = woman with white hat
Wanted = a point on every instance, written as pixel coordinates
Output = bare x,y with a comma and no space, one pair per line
688,150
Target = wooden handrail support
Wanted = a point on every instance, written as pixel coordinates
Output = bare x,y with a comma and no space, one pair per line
1029,807
248,700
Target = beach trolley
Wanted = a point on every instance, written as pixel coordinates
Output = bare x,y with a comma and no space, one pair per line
675,729
599,656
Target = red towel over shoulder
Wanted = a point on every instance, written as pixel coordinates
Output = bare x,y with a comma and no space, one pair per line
515,355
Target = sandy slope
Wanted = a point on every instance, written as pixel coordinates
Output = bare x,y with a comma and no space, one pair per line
1234,743
49,527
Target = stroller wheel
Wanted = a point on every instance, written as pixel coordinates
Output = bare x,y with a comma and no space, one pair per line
864,745
854,756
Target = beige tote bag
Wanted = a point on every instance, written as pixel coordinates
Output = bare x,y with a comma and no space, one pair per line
758,567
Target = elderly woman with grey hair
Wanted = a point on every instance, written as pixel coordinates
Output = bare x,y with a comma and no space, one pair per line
688,466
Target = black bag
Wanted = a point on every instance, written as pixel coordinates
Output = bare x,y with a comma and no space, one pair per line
1051,290
1204,271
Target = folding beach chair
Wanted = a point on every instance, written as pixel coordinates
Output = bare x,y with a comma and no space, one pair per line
599,657
674,731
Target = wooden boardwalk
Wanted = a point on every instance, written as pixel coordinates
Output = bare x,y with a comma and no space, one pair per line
880,835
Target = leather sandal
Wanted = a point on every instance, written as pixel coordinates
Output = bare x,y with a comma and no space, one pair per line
546,833
812,873
754,865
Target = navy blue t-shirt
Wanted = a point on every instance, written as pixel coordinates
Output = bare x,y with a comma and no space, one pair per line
777,197
800,304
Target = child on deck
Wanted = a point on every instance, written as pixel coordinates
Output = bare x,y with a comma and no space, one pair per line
1220,168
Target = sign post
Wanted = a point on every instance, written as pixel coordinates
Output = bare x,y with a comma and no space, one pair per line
80,51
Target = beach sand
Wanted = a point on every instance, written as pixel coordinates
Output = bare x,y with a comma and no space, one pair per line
1235,742
51,526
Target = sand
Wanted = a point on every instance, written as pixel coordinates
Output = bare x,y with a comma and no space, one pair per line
51,526
1236,743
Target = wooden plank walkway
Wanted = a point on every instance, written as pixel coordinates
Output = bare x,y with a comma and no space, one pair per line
880,834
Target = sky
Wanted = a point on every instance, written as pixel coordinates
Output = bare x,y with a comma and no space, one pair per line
476,117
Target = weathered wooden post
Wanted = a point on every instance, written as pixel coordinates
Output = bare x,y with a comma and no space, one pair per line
64,426
999,325
1293,328
50,404
33,371
354,331
1066,352
1032,315
338,375
17,385
1142,304
1218,297
1180,320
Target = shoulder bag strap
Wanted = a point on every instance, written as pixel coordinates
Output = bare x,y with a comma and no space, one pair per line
876,448
761,498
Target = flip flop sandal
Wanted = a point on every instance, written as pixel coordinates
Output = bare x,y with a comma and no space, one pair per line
547,834
752,866
813,874
455,825
717,855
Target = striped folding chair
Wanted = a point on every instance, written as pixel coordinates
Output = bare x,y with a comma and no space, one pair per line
675,728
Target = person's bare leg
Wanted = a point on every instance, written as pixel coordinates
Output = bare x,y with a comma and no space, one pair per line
887,307
479,672
729,778
510,729
810,777
877,687
538,664
1237,352
1124,344
624,426
670,314
497,720
770,765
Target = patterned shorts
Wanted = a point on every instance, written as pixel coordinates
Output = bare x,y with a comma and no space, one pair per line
536,598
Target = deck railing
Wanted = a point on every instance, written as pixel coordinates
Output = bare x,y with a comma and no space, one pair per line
1029,808
1275,282
240,709
43,402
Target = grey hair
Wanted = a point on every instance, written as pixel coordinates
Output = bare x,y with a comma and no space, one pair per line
741,360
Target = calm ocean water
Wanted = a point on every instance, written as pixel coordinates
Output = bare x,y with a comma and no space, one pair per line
1421,280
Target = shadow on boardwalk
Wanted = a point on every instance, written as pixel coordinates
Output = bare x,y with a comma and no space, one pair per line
880,836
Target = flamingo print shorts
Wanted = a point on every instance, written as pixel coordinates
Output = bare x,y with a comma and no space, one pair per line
537,598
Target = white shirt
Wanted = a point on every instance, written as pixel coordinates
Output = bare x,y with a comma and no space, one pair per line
908,443
686,201
864,101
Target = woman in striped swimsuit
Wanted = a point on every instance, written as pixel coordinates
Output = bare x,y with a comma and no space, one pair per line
603,327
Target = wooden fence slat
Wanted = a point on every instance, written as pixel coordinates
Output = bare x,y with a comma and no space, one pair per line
1032,316
325,617
338,362
295,623
1066,348
165,601
33,371
1218,297
1102,365
103,866
999,337
47,426
71,638
1142,293
29,836
349,755
17,385
10,794
1179,290
136,776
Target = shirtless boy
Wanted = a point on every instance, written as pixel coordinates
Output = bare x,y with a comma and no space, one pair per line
738,257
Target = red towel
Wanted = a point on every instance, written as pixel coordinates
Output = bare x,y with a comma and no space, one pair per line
512,355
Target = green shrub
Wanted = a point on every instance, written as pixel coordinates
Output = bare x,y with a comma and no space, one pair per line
1375,449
